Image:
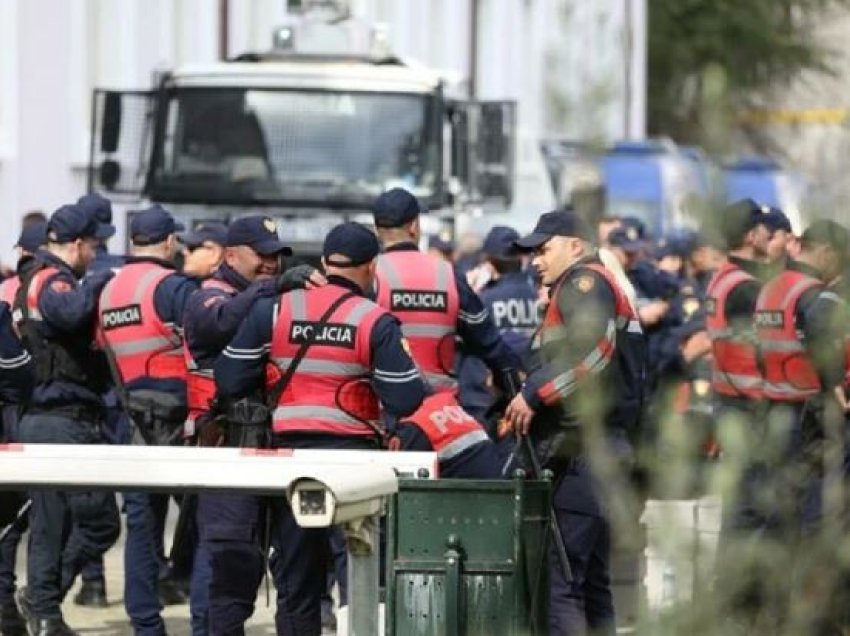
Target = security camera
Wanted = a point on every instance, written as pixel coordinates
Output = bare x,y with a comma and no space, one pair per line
334,496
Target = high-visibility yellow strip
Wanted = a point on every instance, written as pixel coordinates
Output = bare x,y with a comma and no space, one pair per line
828,116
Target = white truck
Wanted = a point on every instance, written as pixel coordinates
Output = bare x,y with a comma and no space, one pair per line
309,133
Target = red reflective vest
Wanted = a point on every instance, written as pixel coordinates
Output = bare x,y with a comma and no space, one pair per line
735,371
554,329
200,383
34,290
142,344
329,392
9,288
449,428
421,292
788,372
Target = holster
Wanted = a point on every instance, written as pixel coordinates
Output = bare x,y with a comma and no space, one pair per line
158,416
248,424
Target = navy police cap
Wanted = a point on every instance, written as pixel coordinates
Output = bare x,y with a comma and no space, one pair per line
353,241
499,242
205,233
556,223
71,222
259,233
101,208
396,207
153,225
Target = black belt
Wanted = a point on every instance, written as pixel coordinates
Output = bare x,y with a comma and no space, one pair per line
81,412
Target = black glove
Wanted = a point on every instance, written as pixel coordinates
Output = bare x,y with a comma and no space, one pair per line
294,278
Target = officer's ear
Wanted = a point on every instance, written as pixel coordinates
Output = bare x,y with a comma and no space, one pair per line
414,229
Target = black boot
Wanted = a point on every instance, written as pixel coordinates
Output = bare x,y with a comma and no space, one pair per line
11,621
54,626
92,594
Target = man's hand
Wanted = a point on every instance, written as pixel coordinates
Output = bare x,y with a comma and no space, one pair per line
300,277
652,312
696,346
519,414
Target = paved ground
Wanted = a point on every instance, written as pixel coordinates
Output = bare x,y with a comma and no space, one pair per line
112,621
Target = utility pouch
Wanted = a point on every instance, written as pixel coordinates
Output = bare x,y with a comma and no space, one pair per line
158,417
248,424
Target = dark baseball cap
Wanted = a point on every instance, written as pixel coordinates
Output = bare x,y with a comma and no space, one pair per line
775,219
499,242
626,238
153,225
205,232
352,240
101,208
259,233
556,223
396,207
739,218
635,227
71,222
32,236
829,233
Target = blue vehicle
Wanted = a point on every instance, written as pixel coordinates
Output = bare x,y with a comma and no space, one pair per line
767,183
654,181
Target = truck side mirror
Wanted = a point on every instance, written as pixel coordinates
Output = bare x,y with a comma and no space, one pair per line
111,123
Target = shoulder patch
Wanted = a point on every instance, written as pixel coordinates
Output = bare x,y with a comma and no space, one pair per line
690,306
61,286
584,283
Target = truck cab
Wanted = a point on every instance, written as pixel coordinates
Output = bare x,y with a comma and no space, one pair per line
308,135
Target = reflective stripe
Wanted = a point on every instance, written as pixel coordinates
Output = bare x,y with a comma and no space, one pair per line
779,390
386,268
444,275
297,303
461,444
441,380
140,346
326,413
144,283
781,346
796,290
330,367
420,330
363,307
736,380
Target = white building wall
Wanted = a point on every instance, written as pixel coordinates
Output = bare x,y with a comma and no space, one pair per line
55,53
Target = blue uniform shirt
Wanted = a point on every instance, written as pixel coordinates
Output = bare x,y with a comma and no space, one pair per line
103,260
512,302
240,370
16,372
213,316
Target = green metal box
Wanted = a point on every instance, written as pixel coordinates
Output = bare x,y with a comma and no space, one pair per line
468,558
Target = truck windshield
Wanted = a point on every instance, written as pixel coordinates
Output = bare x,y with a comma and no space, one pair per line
311,147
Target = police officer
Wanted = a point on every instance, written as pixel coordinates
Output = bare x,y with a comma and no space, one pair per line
32,237
92,592
781,241
16,382
101,207
441,425
140,313
223,592
57,312
587,385
434,304
730,302
204,249
801,325
511,300
352,363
